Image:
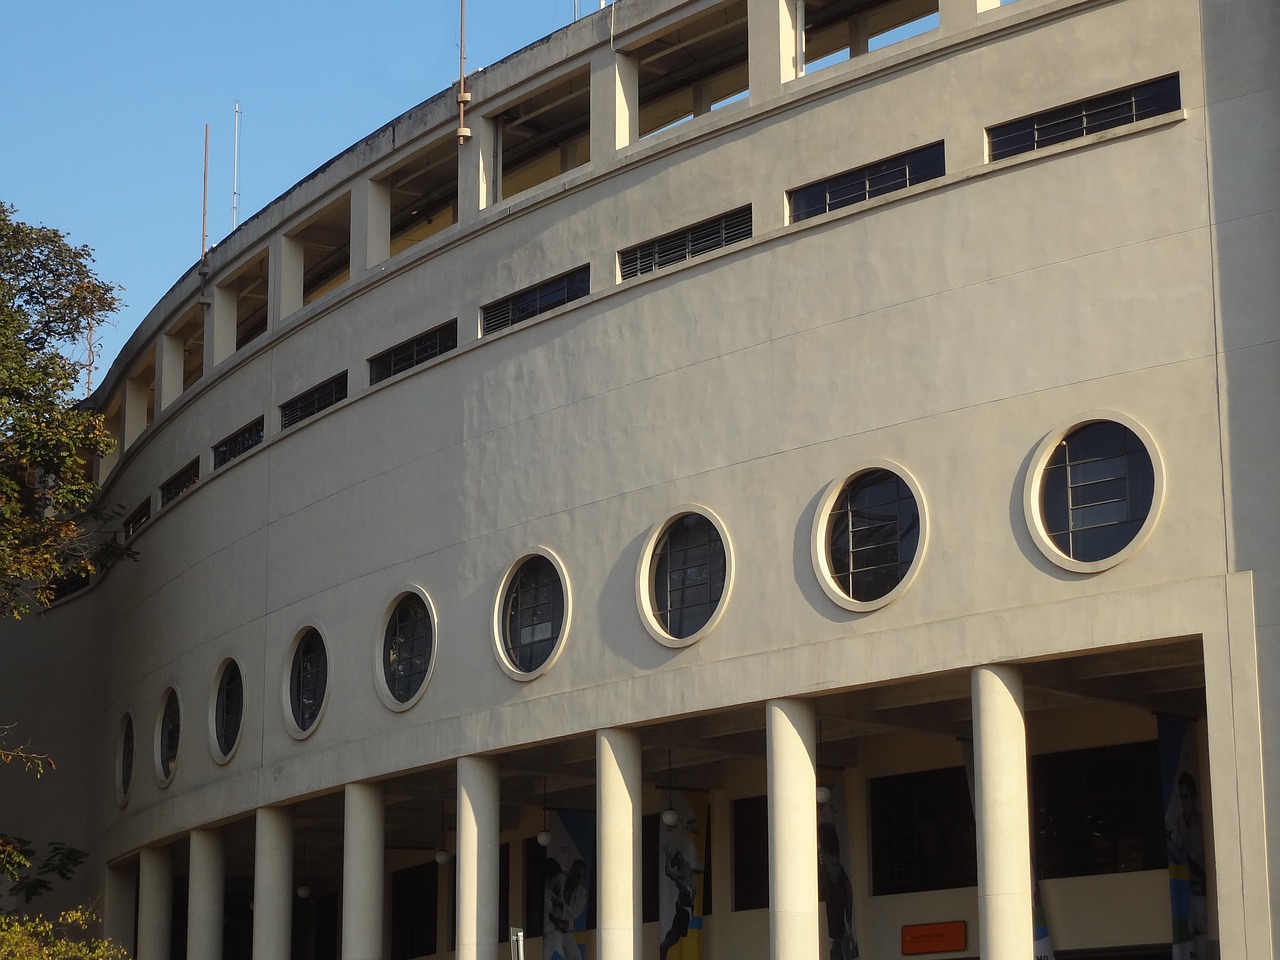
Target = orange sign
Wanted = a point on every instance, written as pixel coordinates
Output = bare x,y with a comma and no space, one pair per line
933,937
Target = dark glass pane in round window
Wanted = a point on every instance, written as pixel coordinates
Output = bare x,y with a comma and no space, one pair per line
688,575
170,731
1096,491
308,679
229,707
873,535
406,649
534,611
126,756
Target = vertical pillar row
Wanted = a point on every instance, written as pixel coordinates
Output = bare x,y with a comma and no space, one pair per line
793,830
1001,805
477,859
205,896
618,805
155,902
362,871
273,884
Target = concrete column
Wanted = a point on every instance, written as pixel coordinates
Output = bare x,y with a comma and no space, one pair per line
615,104
477,859
370,224
219,327
859,36
284,279
362,872
618,803
477,169
120,896
772,43
273,883
205,896
793,830
155,903
956,15
1001,806
169,370
133,413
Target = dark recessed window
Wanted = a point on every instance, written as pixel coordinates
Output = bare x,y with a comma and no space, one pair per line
406,648
688,575
126,756
687,243
311,402
751,853
413,911
228,709
533,614
409,354
1096,491
864,183
244,439
170,732
1088,116
133,523
308,678
873,534
923,835
173,488
530,302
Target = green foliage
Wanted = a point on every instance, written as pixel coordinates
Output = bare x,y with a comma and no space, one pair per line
67,938
49,299
29,875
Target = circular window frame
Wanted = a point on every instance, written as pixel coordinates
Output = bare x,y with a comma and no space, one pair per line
286,700
819,549
645,573
215,750
1032,484
122,793
499,626
156,766
379,673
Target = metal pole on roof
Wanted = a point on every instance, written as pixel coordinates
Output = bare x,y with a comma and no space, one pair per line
204,212
235,173
463,97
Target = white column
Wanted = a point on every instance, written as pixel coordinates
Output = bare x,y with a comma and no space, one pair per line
121,905
957,15
273,884
155,903
370,224
170,361
1001,806
133,415
772,39
284,279
477,176
793,830
362,872
205,896
477,859
615,104
618,802
219,327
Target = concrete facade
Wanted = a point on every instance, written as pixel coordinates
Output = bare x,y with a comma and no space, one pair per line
952,331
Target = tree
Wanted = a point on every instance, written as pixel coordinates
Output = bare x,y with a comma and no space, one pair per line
49,520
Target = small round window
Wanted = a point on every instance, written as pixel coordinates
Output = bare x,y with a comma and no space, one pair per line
228,708
308,680
407,647
125,757
869,537
169,733
685,572
532,617
1093,491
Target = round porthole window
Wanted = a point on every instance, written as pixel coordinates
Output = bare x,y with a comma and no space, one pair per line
532,616
308,681
869,537
1094,491
407,651
685,573
124,759
228,710
168,734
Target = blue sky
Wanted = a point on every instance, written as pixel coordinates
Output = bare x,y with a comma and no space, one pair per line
103,112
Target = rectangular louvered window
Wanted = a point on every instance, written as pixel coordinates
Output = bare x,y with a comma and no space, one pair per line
531,301
244,439
1088,116
313,401
420,349
864,183
134,522
172,488
687,243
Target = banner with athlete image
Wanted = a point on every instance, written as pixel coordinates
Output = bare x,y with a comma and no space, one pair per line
835,887
680,869
1184,836
568,883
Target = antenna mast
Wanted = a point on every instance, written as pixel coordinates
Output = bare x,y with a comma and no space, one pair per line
235,173
204,213
464,132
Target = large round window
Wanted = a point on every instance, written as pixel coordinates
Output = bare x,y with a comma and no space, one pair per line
686,570
228,709
1093,493
532,617
407,646
168,733
869,537
124,759
308,680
